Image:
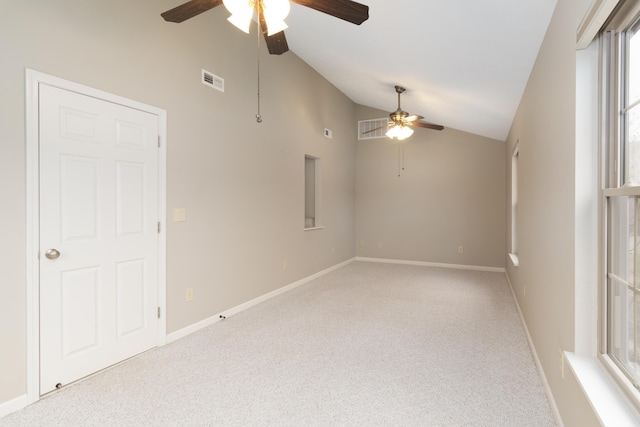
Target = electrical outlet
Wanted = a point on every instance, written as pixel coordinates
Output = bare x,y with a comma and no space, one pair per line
460,249
179,214
361,243
285,265
188,295
379,245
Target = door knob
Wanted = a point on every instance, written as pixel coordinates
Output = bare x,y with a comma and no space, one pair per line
52,253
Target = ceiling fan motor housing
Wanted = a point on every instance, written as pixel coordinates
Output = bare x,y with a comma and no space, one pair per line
398,115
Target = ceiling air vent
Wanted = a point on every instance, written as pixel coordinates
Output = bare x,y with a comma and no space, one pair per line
211,80
367,125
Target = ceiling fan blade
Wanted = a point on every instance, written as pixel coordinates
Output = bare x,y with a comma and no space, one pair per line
347,10
413,118
189,10
427,125
373,130
276,43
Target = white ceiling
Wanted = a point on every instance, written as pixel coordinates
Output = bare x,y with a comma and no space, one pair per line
464,63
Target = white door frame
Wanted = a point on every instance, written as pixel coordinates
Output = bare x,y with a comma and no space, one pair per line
33,79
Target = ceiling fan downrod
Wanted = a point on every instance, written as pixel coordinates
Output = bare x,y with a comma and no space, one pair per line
398,115
399,90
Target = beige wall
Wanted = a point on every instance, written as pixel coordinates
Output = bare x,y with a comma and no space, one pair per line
450,194
241,183
545,280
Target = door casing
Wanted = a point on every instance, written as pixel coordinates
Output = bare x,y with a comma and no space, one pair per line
33,80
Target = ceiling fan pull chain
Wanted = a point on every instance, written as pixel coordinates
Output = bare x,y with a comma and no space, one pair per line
400,157
258,116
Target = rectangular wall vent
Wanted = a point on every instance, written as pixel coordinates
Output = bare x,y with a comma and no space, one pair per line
211,80
367,125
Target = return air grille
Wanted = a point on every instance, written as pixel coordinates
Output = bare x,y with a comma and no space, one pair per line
367,125
211,80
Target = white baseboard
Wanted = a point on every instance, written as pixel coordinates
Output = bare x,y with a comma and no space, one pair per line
433,264
13,405
181,333
543,377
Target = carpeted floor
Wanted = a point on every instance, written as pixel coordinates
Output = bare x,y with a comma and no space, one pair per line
367,345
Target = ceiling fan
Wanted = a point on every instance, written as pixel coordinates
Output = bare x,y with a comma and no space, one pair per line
400,121
271,13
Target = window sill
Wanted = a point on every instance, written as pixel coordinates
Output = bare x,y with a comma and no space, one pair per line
607,400
514,259
320,227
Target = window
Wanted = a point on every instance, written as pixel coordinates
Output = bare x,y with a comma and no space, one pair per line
621,72
513,251
311,192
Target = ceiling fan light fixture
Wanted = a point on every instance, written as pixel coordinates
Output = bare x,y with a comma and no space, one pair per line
275,11
399,132
241,13
275,27
241,22
393,132
405,132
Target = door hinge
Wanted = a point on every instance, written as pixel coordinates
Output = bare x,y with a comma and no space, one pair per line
158,312
158,141
158,227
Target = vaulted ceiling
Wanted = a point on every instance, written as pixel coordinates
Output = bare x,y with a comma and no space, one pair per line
465,63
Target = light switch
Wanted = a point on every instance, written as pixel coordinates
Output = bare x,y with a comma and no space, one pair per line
179,214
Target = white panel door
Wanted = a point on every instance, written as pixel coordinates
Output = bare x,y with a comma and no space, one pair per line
98,234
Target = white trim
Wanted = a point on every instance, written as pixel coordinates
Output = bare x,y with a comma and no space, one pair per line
162,218
514,260
14,405
604,396
587,214
33,79
593,20
627,191
317,191
433,264
33,236
515,165
194,327
536,359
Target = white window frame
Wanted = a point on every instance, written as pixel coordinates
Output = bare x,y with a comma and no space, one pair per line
515,160
613,90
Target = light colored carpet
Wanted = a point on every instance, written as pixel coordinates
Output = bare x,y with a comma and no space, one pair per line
367,345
